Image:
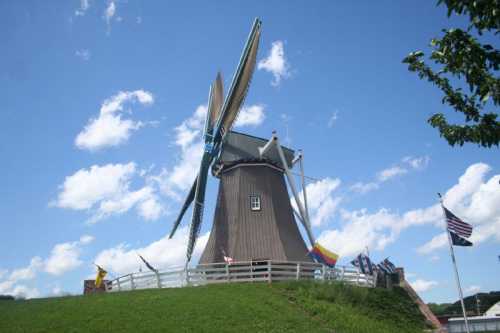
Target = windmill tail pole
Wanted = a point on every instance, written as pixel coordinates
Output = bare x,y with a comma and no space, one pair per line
453,260
305,219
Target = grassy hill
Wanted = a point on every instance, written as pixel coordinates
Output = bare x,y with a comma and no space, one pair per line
259,307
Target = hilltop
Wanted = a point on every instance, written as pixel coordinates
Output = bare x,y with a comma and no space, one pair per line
278,307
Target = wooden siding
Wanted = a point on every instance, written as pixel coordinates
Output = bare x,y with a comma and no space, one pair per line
268,234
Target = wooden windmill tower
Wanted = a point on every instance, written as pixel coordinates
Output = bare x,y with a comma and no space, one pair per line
254,219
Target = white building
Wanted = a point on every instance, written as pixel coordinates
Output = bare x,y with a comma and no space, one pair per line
489,321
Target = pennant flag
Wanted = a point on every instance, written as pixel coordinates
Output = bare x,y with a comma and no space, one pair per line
101,273
322,255
389,265
148,265
382,268
364,263
456,225
459,241
227,258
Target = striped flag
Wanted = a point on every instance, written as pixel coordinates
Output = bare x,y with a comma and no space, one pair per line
364,263
386,266
323,255
456,225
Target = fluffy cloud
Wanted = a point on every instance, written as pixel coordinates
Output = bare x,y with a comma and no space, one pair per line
407,163
109,129
333,119
391,172
472,198
163,253
83,54
109,13
105,190
473,289
65,257
84,6
475,200
252,115
420,285
321,202
276,63
188,138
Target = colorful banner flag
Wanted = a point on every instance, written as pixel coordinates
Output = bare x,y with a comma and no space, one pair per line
322,255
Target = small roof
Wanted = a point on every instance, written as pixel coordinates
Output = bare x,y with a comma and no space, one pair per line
494,310
239,146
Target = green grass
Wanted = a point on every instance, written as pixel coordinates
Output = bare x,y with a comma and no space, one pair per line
279,307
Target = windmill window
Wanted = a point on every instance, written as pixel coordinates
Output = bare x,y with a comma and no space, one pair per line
255,202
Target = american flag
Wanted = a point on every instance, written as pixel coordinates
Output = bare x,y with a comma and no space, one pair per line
456,225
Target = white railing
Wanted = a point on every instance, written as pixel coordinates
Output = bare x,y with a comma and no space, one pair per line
262,271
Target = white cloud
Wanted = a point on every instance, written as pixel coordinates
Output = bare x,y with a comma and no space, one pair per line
27,273
333,119
22,292
475,200
109,13
472,198
407,163
84,6
276,63
435,243
86,187
472,289
321,203
109,129
163,253
105,191
83,54
188,138
417,162
391,172
252,115
65,257
421,285
363,188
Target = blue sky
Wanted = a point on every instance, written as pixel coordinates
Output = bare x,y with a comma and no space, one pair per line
103,102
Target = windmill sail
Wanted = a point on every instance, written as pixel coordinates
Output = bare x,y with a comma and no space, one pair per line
217,99
239,86
234,99
185,206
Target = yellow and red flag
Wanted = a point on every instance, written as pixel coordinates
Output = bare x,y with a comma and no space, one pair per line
323,256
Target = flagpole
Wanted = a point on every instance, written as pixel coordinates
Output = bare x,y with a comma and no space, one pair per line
457,277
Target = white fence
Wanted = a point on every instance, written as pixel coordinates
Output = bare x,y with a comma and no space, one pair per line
261,271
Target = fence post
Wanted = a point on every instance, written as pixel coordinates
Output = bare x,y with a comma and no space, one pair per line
323,275
132,285
359,275
343,273
298,271
227,272
269,272
118,284
158,279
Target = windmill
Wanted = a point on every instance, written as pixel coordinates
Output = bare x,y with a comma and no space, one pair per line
254,219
